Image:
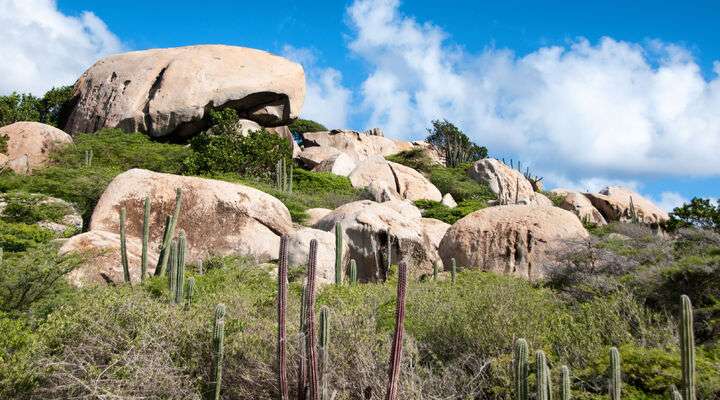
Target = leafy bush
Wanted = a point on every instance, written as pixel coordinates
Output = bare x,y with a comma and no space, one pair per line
700,213
456,182
437,210
415,158
3,143
30,208
16,237
52,109
454,144
305,125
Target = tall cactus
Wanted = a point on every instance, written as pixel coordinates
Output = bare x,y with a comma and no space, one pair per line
675,393
453,270
687,349
190,292
218,346
164,246
302,362
123,247
145,238
324,350
565,386
615,384
311,340
338,253
397,344
548,376
541,376
172,268
520,365
282,312
170,232
353,272
180,267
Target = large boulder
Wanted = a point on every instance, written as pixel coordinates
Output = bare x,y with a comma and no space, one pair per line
407,182
358,145
170,91
299,251
25,146
219,218
100,258
340,164
510,185
512,239
617,204
435,229
311,157
367,225
315,215
579,204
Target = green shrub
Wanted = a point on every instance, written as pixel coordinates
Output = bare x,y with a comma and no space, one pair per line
30,208
16,237
3,143
456,182
556,199
305,125
454,144
415,158
437,210
52,109
700,213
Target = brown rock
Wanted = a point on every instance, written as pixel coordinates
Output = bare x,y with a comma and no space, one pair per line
407,182
311,157
614,203
579,204
28,145
508,184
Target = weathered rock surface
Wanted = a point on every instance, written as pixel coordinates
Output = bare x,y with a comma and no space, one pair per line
579,204
340,164
435,229
169,91
311,157
316,214
381,191
367,225
448,201
513,239
299,251
358,145
28,145
508,184
404,180
614,203
219,218
101,258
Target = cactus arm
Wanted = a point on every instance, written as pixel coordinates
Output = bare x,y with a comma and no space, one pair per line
123,247
282,312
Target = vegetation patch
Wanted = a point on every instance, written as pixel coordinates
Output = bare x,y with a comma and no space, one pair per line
29,208
300,126
437,210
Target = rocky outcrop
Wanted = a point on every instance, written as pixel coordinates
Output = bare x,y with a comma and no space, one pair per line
367,225
579,204
435,230
510,186
358,145
448,201
515,239
622,204
25,146
219,218
407,182
339,164
316,214
100,255
311,157
299,251
170,91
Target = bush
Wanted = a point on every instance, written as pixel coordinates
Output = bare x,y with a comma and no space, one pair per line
17,237
437,210
454,144
456,182
52,109
300,126
32,208
415,158
700,213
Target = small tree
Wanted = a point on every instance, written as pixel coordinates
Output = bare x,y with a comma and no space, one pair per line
454,144
698,212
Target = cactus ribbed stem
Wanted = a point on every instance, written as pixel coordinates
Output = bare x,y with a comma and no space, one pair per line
123,247
145,238
172,268
164,246
541,376
520,365
453,270
389,252
282,312
171,230
675,393
353,272
190,292
548,376
180,267
687,349
312,357
218,345
302,362
290,180
436,267
324,350
397,344
615,384
565,385
338,253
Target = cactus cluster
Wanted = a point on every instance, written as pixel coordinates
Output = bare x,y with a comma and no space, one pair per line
169,233
284,176
338,253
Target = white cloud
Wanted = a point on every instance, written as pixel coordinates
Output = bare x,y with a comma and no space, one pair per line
669,200
42,48
326,100
610,110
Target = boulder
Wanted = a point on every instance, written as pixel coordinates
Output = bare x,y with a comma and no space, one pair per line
169,91
511,239
311,157
448,201
579,204
100,252
407,182
405,208
67,221
339,164
219,218
543,201
358,145
367,225
299,251
382,192
616,203
316,214
25,146
435,229
510,186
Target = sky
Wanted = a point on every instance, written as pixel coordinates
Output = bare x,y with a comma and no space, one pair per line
587,94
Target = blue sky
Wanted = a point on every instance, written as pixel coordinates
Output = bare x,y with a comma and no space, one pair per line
588,95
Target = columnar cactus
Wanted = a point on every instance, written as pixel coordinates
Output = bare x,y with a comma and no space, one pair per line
311,340
180,267
396,350
687,349
338,253
218,346
565,385
190,292
453,271
88,157
615,384
675,393
388,259
302,363
164,246
145,238
520,365
172,268
123,247
541,376
282,312
548,376
353,272
164,253
324,350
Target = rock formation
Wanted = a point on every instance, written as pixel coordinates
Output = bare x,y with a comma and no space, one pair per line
25,146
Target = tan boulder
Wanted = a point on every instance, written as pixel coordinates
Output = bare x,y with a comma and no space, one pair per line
448,201
27,145
169,91
514,239
405,208
435,229
311,157
407,182
358,145
381,191
543,201
366,227
219,218
510,186
579,204
100,252
616,204
299,251
316,214
339,164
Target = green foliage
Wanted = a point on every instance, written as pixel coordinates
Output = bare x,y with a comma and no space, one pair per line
556,199
456,182
52,109
454,144
437,210
415,158
15,237
698,212
3,143
306,125
30,208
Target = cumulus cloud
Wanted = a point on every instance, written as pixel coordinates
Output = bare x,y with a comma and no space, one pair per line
41,47
669,200
583,111
326,100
